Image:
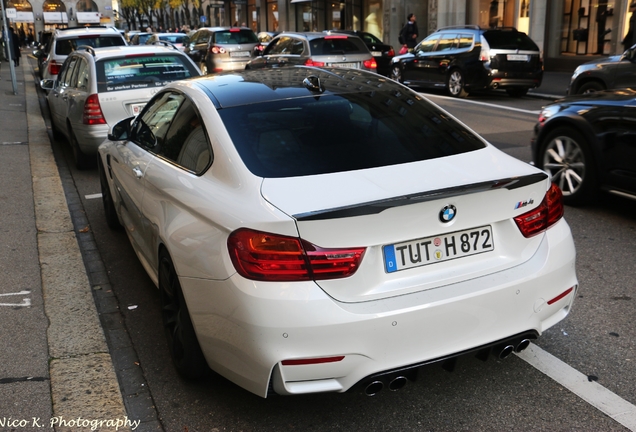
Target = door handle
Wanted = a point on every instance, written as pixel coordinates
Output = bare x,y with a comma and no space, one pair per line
137,172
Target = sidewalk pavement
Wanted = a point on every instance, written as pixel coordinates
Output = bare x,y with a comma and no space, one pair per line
55,367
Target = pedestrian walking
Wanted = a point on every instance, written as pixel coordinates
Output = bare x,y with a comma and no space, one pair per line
14,46
630,37
409,33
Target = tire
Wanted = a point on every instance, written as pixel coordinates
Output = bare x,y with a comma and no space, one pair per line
396,74
590,87
517,92
107,199
184,347
565,154
455,84
82,160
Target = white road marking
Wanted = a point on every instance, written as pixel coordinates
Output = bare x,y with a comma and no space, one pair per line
536,112
26,302
93,196
590,391
16,293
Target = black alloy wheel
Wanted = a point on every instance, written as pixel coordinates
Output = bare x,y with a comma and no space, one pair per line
184,347
591,87
567,158
107,199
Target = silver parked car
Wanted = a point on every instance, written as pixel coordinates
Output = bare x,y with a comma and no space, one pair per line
98,87
217,49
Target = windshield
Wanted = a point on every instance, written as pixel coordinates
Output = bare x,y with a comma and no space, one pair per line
310,136
141,71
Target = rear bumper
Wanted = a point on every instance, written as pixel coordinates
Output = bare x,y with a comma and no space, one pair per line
89,137
247,329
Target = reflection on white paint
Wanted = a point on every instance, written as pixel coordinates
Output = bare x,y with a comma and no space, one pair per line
93,196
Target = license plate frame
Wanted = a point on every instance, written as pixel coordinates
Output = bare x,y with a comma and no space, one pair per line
135,109
347,65
517,57
435,249
239,54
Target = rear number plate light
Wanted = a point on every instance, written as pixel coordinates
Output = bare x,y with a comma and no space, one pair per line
431,250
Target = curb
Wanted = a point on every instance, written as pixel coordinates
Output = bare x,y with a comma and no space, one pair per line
84,386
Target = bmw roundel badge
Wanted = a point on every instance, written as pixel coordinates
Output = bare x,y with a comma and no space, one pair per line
448,213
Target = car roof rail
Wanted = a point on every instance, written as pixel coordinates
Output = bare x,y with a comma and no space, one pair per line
165,43
457,27
88,48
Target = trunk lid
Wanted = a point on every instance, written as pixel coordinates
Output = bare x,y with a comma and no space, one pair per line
397,205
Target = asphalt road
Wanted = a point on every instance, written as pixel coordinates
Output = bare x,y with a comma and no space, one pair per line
597,339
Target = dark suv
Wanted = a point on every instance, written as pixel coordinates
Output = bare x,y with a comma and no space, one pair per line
468,58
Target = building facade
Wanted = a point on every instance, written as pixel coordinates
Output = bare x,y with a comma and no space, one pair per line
569,32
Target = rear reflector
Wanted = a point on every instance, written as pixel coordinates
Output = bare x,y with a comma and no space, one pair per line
560,296
54,68
312,361
549,212
271,257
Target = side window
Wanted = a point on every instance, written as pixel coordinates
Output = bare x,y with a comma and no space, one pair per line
67,73
280,46
149,129
447,42
186,142
297,47
465,41
81,77
79,66
428,44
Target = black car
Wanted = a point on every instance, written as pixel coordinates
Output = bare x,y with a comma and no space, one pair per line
383,53
587,143
42,50
316,49
607,73
462,59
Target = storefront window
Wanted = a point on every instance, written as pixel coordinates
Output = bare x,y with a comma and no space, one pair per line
252,16
373,22
336,18
586,27
272,16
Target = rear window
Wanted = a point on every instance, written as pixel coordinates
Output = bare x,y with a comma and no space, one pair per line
136,72
501,39
337,45
176,39
228,37
306,136
67,46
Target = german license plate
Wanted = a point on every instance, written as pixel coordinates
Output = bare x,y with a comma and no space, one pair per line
136,108
345,65
239,54
431,250
517,57
376,53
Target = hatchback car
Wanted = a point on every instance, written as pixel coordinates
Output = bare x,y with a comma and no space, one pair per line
587,143
99,87
316,49
310,229
176,39
381,52
65,41
468,58
613,72
217,49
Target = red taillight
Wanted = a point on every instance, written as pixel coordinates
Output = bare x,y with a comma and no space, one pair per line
549,212
370,64
54,68
337,37
391,53
310,62
235,30
271,257
93,111
217,50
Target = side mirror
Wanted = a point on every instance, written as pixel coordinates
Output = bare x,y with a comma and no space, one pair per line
121,131
186,40
47,84
38,53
